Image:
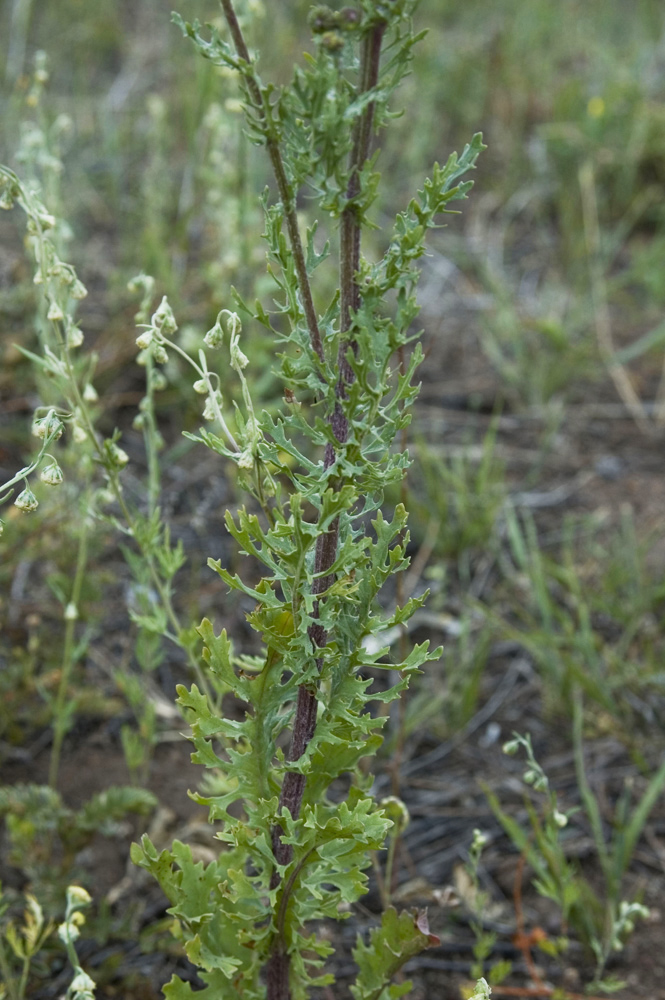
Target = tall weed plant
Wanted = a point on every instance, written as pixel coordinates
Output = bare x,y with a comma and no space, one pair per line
297,823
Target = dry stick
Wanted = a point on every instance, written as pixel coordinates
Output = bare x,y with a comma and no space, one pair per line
326,546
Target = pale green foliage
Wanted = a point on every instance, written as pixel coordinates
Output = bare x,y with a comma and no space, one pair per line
399,938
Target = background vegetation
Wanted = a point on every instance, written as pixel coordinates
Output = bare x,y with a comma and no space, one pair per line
536,491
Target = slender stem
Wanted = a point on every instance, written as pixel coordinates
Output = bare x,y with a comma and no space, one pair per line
304,723
286,195
60,724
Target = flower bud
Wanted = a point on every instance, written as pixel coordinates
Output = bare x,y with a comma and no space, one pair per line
55,312
51,475
117,456
144,340
71,614
396,811
215,335
163,319
48,426
90,393
74,337
201,386
209,411
159,381
159,354
26,501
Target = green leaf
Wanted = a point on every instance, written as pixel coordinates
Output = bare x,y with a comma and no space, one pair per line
399,938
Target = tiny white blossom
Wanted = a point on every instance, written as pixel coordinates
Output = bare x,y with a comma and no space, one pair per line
90,393
48,426
159,354
201,386
71,612
78,896
144,340
118,456
26,501
74,337
55,312
163,318
209,410
51,475
215,335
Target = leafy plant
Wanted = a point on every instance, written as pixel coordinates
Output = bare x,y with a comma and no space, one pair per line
294,853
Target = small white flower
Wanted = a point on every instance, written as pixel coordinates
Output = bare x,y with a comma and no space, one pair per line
26,501
68,932
48,426
78,434
74,337
159,354
78,896
90,393
201,386
144,340
55,312
163,319
78,290
71,612
479,841
560,819
246,460
159,381
82,982
51,475
209,412
215,335
118,457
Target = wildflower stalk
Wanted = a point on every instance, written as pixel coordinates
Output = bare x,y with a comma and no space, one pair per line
262,107
71,612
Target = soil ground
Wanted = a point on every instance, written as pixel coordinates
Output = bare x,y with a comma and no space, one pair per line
599,462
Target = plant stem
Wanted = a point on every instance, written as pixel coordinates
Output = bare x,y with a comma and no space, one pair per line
60,723
262,108
293,786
